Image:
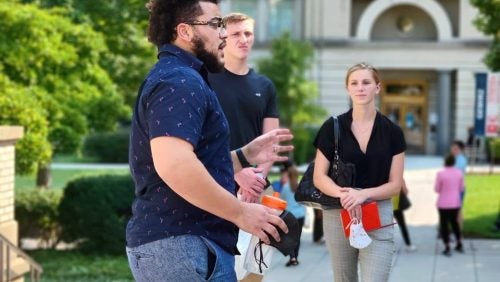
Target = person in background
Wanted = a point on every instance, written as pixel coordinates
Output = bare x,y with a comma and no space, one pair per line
317,233
449,185
287,186
457,150
470,136
247,98
185,207
376,146
400,217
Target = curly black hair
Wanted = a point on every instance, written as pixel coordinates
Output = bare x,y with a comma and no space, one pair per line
165,15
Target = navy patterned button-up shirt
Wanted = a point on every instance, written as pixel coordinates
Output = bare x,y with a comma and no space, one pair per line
175,100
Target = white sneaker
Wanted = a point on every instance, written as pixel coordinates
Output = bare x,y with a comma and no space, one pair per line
411,248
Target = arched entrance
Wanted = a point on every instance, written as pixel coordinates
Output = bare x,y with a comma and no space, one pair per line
430,7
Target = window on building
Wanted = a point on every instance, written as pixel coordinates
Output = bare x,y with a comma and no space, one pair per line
248,7
272,17
281,17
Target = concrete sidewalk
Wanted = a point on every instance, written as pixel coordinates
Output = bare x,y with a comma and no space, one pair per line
479,263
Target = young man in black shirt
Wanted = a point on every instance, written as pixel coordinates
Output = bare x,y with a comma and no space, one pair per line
248,100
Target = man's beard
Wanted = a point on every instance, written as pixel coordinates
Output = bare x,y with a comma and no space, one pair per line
211,60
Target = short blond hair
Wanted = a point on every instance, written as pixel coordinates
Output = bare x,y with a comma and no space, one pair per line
362,66
238,17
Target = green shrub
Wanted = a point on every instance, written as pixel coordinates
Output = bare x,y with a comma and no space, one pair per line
108,147
493,149
37,213
94,211
304,151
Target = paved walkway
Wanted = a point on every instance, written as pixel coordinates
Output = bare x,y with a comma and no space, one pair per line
479,263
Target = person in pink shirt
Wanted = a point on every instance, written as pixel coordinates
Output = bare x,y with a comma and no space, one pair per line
449,185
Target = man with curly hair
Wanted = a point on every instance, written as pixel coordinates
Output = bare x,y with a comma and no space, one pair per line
185,215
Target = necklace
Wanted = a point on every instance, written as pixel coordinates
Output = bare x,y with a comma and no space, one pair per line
361,128
362,134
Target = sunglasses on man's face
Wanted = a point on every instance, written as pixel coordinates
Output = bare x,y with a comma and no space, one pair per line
215,22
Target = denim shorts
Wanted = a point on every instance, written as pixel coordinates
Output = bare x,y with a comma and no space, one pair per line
181,258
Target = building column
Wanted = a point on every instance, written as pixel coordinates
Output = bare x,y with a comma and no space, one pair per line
261,24
444,106
8,137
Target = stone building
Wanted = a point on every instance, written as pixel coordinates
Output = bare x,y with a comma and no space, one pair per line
426,50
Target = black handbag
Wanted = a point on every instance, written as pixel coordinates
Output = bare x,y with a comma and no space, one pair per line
343,174
404,202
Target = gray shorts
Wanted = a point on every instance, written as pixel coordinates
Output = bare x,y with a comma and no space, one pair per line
181,258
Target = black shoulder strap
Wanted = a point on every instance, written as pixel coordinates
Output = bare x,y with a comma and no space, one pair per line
336,134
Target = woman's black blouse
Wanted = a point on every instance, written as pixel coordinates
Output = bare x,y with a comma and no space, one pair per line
372,168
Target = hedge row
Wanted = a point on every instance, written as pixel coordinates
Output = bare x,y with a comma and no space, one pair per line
37,213
110,147
493,149
92,211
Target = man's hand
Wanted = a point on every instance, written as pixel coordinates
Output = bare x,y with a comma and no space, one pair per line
251,184
266,147
260,221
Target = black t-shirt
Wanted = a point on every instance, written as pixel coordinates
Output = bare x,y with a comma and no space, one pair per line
372,168
246,100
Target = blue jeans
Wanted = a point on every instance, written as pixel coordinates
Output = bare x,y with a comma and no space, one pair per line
181,258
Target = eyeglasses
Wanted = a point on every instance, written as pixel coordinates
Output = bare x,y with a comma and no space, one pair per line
215,22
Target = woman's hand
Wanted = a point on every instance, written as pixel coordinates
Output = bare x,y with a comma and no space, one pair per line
356,212
350,198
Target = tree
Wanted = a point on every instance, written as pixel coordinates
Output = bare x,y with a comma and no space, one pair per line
287,66
123,24
56,61
19,107
488,21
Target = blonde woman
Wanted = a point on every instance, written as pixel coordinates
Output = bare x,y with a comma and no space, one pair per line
376,146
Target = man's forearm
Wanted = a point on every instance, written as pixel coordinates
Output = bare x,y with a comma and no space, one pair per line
191,181
266,167
188,177
237,164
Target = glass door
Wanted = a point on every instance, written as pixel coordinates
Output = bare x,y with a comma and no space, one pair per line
405,103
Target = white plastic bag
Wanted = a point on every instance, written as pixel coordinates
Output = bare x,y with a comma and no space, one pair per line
255,261
243,243
358,238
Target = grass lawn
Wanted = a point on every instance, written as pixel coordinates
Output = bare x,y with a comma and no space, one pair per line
482,205
62,266
74,159
62,176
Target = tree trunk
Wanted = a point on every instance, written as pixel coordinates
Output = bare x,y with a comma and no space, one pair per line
43,179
